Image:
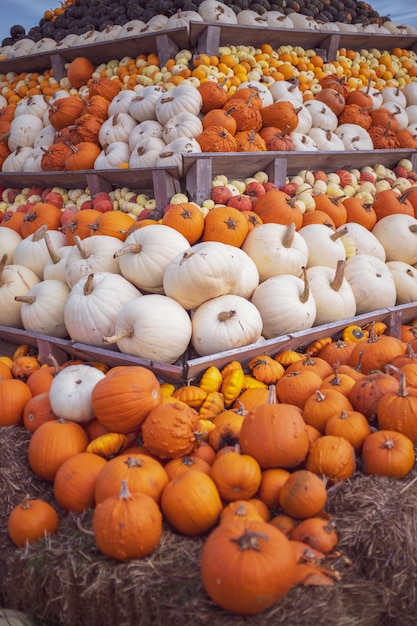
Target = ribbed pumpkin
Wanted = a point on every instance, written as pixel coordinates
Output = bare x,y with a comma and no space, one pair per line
124,397
14,395
278,207
75,481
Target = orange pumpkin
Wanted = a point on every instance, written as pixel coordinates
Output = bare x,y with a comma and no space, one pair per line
79,71
225,224
14,395
75,481
187,218
237,476
278,207
280,114
37,411
30,521
388,453
331,457
303,495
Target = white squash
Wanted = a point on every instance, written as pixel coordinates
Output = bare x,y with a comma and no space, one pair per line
90,255
326,140
34,161
249,275
70,392
251,18
145,152
20,48
133,28
304,22
364,240
303,142
354,137
54,267
276,19
171,155
121,102
217,12
32,105
405,279
45,137
411,111
15,161
286,90
410,92
116,128
372,283
9,239
398,236
183,97
146,253
93,304
23,130
182,18
286,305
109,33
32,251
203,271
142,106
148,128
322,116
225,323
261,88
15,280
333,294
305,120
43,308
184,124
324,246
153,327
276,249
393,95
112,156
400,113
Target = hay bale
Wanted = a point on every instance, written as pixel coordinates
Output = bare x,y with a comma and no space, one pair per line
66,580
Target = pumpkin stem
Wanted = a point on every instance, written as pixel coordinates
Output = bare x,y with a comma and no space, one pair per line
128,332
25,299
306,292
51,250
272,394
289,235
402,391
320,397
130,248
124,490
78,242
223,316
88,285
339,275
249,540
339,233
3,263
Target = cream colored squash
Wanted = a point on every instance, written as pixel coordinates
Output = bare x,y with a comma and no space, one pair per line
354,137
324,246
116,128
93,304
322,116
112,156
405,279
372,283
92,254
70,392
398,236
286,90
153,327
276,249
217,12
183,97
146,151
23,130
148,128
55,264
184,124
203,271
142,106
146,253
9,239
32,251
121,102
326,140
286,305
43,308
249,275
15,161
333,294
15,280
365,241
225,323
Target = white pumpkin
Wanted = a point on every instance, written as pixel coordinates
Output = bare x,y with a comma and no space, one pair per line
70,392
322,116
171,155
324,246
20,48
204,271
43,308
16,159
276,249
90,255
116,128
34,161
109,33
326,140
148,128
142,106
146,151
23,130
333,294
411,111
216,12
225,323
276,19
44,45
15,280
32,105
182,18
261,88
249,275
121,102
183,97
303,142
305,121
405,279
410,92
304,22
9,239
133,28
93,304
286,305
145,254
398,236
54,267
153,327
371,281
286,90
157,22
32,251
354,137
251,18
364,240
112,156
184,124
393,95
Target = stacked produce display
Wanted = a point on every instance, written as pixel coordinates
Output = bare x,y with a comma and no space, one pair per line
208,293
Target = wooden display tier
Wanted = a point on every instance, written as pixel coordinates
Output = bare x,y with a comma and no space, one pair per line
205,37
199,169
190,366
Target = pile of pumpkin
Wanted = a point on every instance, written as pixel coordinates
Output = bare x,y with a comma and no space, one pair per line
242,457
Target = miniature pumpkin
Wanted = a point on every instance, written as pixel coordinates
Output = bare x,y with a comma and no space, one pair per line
30,521
217,139
280,114
302,495
79,71
75,481
388,453
14,395
332,457
317,532
237,476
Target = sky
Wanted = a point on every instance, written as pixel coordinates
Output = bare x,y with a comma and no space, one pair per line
29,12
